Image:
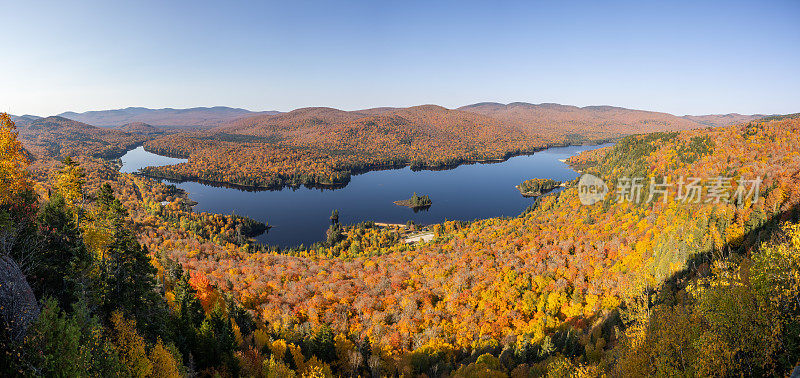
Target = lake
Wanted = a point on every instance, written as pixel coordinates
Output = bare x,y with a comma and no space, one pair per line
301,216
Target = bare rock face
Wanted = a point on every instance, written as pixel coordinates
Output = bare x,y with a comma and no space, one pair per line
18,306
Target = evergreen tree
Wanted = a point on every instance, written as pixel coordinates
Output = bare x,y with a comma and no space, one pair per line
189,316
320,344
126,273
64,260
217,341
334,234
54,345
190,310
242,318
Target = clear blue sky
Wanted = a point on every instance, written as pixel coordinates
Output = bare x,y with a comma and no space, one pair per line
692,57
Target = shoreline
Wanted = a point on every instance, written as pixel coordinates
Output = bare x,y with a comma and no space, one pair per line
407,203
356,172
539,194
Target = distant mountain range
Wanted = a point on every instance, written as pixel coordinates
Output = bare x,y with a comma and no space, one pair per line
167,117
423,121
556,119
724,119
545,118
24,118
140,128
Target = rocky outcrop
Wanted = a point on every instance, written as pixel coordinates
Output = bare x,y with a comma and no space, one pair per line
18,306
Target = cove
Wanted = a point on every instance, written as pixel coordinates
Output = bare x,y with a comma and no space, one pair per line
301,215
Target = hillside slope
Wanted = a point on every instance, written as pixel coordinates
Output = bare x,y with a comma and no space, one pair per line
327,124
140,128
24,118
587,122
57,137
716,120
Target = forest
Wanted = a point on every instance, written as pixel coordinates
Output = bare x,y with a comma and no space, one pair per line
619,288
325,146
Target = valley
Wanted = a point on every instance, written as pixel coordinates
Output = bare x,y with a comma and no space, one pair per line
373,189
300,215
548,275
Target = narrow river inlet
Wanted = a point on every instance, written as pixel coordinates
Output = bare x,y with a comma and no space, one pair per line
301,216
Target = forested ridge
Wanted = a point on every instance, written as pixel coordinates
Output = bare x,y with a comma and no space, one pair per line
56,136
615,288
325,146
586,123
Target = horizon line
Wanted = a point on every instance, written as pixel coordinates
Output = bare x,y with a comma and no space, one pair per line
385,106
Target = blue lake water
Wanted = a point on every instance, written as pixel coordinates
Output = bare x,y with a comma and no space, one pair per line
138,158
301,216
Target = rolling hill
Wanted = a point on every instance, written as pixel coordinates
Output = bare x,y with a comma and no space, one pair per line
553,122
325,146
589,121
24,118
716,120
140,128
431,121
192,117
57,137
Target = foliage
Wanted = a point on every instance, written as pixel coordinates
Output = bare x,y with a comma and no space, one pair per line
58,137
13,162
663,288
743,317
64,259
326,146
560,264
537,186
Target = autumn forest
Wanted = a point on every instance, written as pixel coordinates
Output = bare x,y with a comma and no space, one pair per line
105,273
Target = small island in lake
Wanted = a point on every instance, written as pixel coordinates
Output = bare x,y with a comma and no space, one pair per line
416,202
536,187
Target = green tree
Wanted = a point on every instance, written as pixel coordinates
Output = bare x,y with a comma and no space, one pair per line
320,344
64,261
217,341
334,234
126,274
54,345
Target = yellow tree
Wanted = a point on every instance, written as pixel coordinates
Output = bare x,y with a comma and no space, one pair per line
69,183
132,347
13,163
164,362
